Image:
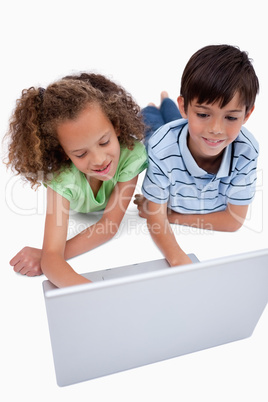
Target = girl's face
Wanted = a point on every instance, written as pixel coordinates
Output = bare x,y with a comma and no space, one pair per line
212,128
91,143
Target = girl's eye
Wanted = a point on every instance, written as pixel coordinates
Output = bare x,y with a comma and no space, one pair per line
81,156
104,143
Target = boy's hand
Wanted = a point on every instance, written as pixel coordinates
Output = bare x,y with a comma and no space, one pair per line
27,261
141,203
180,259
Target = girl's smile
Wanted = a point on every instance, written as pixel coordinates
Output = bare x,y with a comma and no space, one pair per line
104,170
91,143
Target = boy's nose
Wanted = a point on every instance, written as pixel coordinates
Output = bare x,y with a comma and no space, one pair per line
215,127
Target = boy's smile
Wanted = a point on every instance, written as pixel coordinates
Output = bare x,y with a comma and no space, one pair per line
212,129
213,143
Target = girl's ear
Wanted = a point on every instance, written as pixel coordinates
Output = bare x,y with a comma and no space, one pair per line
180,101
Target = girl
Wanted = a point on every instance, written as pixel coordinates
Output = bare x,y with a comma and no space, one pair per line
80,136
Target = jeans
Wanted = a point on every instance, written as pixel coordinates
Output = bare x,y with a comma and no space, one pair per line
155,118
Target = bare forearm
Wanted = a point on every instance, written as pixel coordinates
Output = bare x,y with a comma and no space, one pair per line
107,226
228,220
90,238
59,272
55,267
164,238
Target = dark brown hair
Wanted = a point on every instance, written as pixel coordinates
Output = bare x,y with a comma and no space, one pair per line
215,73
34,150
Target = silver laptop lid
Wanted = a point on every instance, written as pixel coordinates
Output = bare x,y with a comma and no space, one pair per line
123,271
109,326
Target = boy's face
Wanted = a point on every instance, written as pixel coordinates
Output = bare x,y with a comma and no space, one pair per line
212,128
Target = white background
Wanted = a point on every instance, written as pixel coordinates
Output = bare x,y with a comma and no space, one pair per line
143,45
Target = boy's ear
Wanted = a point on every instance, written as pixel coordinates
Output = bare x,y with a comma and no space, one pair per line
248,114
180,101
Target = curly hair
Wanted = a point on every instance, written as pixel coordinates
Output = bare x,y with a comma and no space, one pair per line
34,150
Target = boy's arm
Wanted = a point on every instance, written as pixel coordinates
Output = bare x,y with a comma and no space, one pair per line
229,220
163,235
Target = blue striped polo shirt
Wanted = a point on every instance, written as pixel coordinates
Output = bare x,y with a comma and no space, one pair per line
173,176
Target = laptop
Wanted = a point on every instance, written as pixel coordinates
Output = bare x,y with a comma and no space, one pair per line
144,313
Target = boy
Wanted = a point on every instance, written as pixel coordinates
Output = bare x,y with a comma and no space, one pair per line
202,168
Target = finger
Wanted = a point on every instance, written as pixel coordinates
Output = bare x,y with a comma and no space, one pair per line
18,267
138,199
31,273
24,271
14,260
21,255
35,272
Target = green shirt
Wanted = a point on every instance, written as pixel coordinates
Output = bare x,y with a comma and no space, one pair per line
73,185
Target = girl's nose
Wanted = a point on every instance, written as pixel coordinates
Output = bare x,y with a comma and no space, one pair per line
97,159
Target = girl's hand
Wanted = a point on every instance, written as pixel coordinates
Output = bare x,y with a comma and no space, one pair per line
27,261
141,203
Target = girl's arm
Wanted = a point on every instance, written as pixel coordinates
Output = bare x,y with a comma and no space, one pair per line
163,235
55,248
229,220
53,263
109,223
27,261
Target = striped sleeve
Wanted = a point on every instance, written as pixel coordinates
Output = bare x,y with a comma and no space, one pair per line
156,182
242,187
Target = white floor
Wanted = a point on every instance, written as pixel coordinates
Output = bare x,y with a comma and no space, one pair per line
145,46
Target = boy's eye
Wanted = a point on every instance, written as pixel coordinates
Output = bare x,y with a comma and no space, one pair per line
202,115
231,118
